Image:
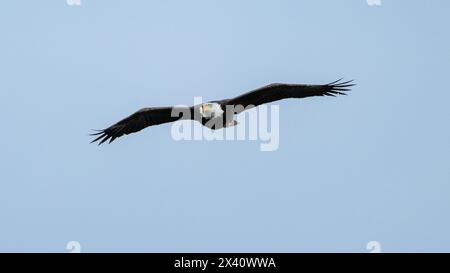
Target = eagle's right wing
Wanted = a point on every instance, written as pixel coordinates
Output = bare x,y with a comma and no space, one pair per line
141,119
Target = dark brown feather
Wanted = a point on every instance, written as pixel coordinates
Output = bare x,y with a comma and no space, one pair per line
141,119
279,91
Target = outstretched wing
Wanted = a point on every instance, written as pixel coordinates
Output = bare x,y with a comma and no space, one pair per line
141,119
279,91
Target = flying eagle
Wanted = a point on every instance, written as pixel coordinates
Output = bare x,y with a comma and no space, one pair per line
219,114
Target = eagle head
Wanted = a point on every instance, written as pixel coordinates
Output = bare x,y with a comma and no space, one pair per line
210,110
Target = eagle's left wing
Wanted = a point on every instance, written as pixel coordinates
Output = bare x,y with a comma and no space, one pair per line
279,91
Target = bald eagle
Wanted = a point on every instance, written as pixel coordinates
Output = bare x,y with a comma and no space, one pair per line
217,114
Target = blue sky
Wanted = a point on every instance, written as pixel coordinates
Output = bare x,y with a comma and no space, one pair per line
373,165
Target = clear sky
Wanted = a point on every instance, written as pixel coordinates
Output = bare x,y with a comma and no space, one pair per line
371,166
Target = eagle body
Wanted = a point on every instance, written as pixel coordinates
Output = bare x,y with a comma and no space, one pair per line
219,114
215,115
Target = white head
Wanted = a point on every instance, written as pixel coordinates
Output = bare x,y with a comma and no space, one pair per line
210,110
